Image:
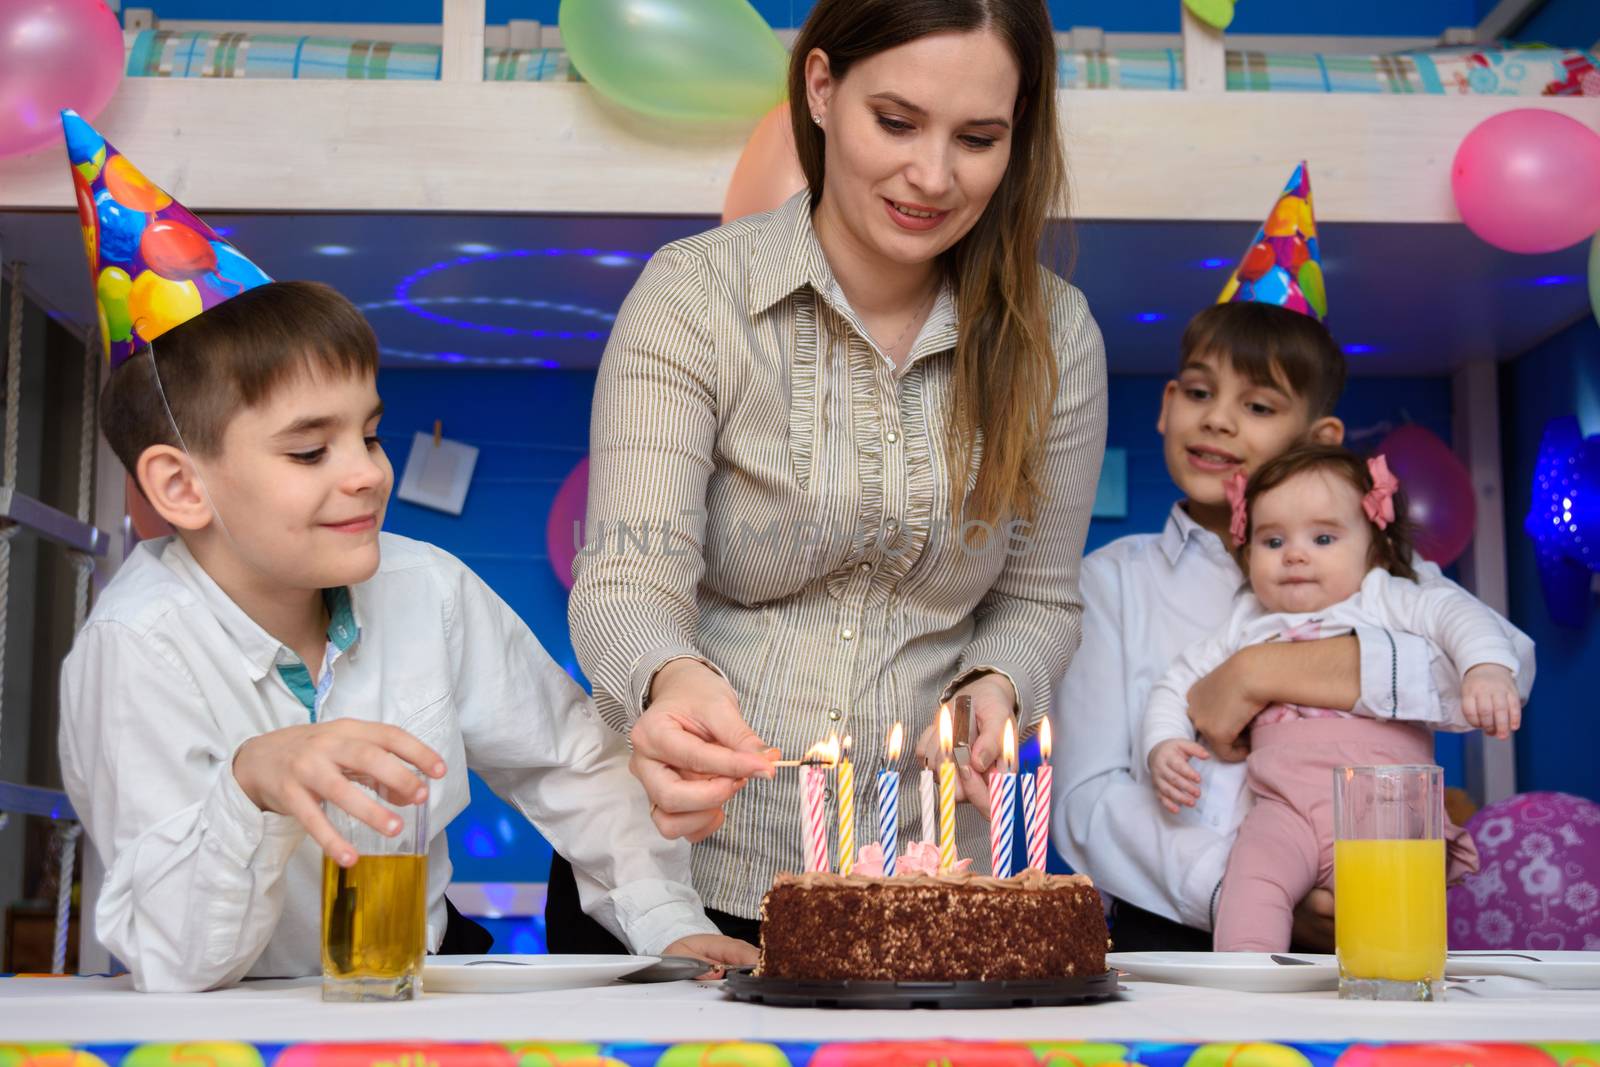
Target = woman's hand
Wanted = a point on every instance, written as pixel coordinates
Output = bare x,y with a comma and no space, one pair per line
692,750
994,702
716,950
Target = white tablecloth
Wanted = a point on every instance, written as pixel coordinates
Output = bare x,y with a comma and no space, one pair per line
106,1010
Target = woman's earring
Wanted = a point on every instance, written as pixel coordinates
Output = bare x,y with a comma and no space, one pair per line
816,118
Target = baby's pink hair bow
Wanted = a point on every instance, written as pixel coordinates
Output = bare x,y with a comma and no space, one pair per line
1233,489
1379,501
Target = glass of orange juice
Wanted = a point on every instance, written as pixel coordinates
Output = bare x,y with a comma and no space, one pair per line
374,913
1388,881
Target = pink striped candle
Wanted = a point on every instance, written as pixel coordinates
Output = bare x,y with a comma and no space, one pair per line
1042,778
1033,830
1003,805
815,826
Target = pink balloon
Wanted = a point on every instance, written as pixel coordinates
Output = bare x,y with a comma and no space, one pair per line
54,54
768,171
561,542
1529,181
1438,492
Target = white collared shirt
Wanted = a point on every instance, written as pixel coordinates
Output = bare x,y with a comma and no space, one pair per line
169,677
1462,630
1147,597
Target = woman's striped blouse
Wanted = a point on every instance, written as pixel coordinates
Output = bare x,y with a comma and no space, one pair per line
767,492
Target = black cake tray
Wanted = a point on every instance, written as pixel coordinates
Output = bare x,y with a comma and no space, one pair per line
791,993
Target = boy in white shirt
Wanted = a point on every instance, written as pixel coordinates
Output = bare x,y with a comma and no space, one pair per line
1258,373
229,679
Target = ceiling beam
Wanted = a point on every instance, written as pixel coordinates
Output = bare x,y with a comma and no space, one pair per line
1506,18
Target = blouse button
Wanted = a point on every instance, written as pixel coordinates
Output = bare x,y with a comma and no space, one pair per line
865,568
846,634
827,794
892,437
835,714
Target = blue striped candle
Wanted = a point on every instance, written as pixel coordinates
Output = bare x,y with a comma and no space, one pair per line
888,817
889,801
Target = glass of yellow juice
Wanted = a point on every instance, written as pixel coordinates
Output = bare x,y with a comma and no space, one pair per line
374,913
1388,882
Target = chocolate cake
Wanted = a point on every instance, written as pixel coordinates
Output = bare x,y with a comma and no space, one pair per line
922,928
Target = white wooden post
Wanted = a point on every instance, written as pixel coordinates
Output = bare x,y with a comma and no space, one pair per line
1205,55
1087,39
1491,766
462,58
523,34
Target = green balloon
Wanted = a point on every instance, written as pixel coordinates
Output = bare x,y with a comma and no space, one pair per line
1594,275
1217,13
677,59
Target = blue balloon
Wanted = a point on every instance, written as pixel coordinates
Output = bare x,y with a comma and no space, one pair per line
1273,287
120,228
83,143
235,273
1564,518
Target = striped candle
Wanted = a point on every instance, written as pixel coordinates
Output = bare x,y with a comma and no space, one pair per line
1043,777
947,791
889,801
816,822
847,811
947,815
1003,804
930,813
1033,830
1002,820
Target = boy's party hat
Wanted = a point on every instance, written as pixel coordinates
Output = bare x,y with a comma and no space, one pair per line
1283,264
152,262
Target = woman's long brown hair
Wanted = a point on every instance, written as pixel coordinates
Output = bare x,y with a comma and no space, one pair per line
1005,375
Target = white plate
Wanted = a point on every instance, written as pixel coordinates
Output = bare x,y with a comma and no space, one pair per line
1558,970
518,974
1248,972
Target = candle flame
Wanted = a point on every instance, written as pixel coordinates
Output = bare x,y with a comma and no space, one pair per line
947,732
1044,740
896,739
1008,748
844,749
824,752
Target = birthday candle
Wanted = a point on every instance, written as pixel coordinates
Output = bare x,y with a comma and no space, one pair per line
1039,830
1030,820
947,791
889,801
1003,805
930,816
816,825
847,810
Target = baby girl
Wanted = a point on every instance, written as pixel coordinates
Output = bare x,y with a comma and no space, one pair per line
1323,538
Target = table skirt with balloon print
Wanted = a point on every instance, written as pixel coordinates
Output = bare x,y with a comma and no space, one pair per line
805,1054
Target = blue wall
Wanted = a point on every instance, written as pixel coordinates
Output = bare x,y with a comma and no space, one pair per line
1560,737
1358,17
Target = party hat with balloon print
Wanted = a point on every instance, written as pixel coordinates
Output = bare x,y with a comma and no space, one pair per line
153,263
1283,265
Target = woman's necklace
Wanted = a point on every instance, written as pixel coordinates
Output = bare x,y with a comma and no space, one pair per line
916,317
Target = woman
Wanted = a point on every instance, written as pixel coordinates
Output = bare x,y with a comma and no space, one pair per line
843,454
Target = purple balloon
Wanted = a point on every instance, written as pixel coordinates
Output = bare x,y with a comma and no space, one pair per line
1438,492
54,54
1529,180
1538,880
564,533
